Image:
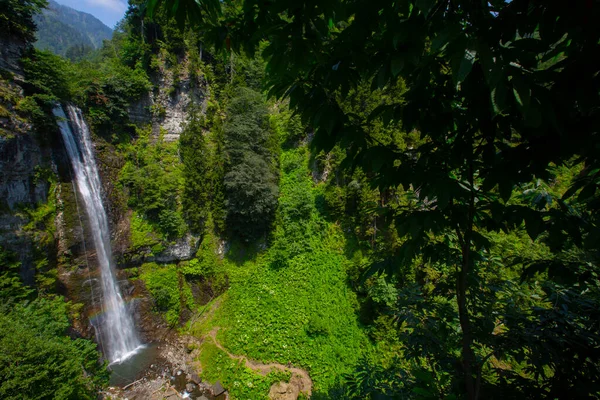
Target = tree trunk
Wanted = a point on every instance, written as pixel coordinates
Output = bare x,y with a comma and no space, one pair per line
468,357
462,283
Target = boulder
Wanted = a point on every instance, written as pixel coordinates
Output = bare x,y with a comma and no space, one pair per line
195,378
217,388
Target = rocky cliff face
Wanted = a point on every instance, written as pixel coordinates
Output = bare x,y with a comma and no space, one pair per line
20,158
11,49
25,165
167,107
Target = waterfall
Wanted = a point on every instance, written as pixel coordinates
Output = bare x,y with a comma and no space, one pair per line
117,330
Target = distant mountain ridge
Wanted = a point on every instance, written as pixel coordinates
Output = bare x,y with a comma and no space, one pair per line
61,28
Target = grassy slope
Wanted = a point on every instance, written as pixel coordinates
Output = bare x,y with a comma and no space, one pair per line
301,312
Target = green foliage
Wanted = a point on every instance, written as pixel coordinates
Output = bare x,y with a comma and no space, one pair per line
171,294
250,180
445,174
46,82
153,175
41,228
196,172
301,310
106,91
11,286
218,208
489,90
247,72
16,17
77,53
38,360
142,234
120,80
207,260
198,267
383,292
47,74
240,381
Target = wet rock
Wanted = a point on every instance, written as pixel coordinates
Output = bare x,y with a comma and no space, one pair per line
190,387
195,378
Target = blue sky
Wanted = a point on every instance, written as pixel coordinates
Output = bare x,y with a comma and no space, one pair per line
108,11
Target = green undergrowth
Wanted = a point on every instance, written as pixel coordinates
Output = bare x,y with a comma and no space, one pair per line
170,292
240,381
143,235
291,303
152,177
42,231
207,266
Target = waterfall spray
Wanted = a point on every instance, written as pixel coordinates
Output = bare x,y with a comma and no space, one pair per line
117,329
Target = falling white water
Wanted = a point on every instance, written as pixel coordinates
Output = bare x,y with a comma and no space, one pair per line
118,333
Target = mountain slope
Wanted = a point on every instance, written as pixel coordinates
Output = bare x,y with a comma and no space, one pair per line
61,27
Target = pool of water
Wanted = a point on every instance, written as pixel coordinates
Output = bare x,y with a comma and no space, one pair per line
133,367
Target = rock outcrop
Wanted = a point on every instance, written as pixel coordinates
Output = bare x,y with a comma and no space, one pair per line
168,106
11,49
25,164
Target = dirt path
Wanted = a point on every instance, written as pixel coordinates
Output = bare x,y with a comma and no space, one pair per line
300,377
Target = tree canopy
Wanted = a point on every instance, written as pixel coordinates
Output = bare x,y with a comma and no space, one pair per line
250,181
39,361
16,17
490,88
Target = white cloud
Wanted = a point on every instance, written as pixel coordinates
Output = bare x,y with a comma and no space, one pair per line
119,6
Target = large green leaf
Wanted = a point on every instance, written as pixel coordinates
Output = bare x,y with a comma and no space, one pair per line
462,64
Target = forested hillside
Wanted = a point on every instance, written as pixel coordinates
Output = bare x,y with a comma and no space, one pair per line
68,32
327,200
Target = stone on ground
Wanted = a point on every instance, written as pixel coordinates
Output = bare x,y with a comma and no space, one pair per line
217,388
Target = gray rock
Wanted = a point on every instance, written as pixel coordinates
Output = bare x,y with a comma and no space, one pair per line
217,388
168,107
183,249
11,49
139,112
21,156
